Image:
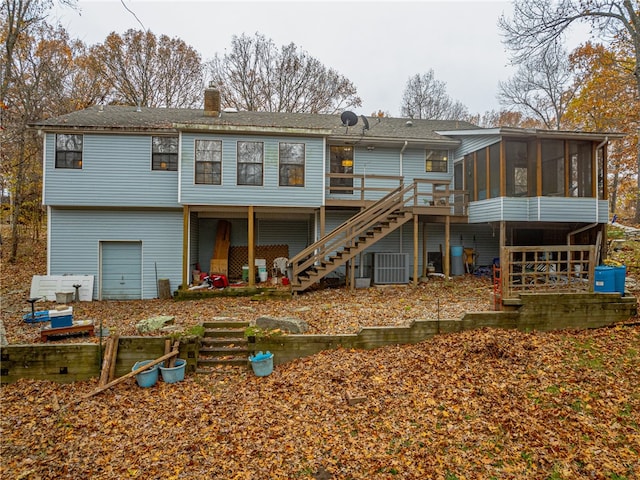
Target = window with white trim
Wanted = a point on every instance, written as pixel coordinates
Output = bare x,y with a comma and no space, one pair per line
250,163
68,151
292,160
164,153
436,161
208,160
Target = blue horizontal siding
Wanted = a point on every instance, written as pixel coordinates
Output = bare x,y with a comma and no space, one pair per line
539,209
116,171
75,236
268,194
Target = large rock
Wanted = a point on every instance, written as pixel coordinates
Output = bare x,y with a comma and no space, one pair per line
286,324
154,323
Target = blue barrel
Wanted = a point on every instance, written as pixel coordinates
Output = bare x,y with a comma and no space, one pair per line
619,274
457,263
604,279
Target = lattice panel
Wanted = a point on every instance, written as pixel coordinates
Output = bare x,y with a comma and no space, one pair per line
239,256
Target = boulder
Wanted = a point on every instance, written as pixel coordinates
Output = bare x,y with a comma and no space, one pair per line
286,324
154,323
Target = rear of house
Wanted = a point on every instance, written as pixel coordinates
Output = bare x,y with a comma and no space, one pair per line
138,194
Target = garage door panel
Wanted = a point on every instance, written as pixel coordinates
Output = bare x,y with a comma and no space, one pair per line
121,270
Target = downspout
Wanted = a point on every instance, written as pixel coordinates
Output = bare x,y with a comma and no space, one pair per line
404,147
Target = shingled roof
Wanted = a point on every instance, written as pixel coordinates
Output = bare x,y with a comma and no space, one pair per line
127,118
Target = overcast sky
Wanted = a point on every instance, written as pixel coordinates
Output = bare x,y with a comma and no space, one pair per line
376,45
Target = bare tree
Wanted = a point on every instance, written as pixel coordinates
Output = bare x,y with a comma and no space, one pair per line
538,23
140,69
542,86
426,97
256,75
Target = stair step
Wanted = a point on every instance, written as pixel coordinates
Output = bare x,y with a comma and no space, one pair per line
224,361
223,351
226,333
213,341
225,324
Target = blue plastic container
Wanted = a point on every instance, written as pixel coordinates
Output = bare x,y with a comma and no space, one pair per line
457,251
620,274
148,378
604,279
457,263
40,316
174,374
262,364
63,321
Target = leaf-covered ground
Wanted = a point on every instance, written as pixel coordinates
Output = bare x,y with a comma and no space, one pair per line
475,405
336,310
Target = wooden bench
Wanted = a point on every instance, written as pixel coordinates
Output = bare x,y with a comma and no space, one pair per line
45,333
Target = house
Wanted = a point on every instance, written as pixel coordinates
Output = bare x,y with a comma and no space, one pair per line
138,194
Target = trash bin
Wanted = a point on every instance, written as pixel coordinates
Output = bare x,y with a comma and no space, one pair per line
457,262
262,363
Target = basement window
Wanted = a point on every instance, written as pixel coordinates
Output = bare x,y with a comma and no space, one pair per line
68,151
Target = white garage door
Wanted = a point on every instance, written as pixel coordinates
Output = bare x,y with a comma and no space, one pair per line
121,270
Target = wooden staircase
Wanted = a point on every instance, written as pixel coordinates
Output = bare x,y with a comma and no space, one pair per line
353,237
223,344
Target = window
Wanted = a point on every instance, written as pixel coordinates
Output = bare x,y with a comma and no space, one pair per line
68,151
436,161
208,157
553,168
250,155
580,169
164,153
517,166
292,164
341,168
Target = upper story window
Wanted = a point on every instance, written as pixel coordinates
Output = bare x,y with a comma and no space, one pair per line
164,153
436,161
341,168
208,156
292,164
250,163
68,151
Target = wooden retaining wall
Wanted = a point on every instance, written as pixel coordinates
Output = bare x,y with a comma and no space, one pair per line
67,363
81,361
542,312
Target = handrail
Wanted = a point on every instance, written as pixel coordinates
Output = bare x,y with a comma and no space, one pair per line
352,229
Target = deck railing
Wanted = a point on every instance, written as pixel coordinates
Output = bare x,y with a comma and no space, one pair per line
557,268
427,193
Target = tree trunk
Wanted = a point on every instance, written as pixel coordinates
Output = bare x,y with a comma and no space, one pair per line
16,201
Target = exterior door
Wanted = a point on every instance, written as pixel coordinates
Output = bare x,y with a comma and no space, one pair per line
121,270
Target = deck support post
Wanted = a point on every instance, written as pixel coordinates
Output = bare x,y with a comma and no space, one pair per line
251,246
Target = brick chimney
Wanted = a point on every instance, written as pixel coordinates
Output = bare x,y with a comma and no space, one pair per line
211,102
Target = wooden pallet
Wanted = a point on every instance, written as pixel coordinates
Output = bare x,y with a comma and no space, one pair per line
45,333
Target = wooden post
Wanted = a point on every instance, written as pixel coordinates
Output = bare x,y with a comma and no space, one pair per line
185,246
104,373
114,357
164,289
416,232
251,246
425,256
447,246
322,221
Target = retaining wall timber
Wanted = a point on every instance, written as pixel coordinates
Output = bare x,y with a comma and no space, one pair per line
67,363
543,312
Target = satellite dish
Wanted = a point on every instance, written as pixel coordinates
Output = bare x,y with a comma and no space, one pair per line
349,119
365,121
